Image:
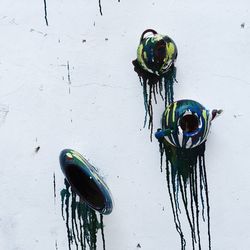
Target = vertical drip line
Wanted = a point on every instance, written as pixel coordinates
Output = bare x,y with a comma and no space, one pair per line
81,221
172,83
45,12
74,227
156,88
160,87
174,180
192,203
196,204
201,188
169,79
93,229
161,149
68,76
145,97
166,92
68,70
56,246
73,230
150,112
192,212
54,187
184,199
174,209
79,216
67,215
141,80
102,231
154,92
207,200
85,225
100,7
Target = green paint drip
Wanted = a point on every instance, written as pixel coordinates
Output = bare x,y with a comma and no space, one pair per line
81,221
187,179
154,84
169,78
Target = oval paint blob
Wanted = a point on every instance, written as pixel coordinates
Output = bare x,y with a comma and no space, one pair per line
85,193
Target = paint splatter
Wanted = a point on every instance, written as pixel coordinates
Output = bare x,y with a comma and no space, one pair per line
81,221
37,149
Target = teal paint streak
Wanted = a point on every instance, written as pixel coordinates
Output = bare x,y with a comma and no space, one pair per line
169,78
152,85
187,184
81,221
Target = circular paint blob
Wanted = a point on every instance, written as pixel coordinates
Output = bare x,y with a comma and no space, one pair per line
156,53
185,124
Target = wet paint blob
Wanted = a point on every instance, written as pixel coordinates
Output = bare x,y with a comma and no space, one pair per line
182,139
82,222
156,55
85,181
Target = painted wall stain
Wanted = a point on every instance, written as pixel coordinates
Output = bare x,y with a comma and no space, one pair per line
4,110
37,149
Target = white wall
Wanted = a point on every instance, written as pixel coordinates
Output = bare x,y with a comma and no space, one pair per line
106,107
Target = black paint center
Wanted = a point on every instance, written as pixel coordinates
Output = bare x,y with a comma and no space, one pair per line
189,123
85,187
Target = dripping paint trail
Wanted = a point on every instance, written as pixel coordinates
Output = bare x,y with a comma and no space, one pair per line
81,221
45,12
152,86
100,7
187,179
69,77
155,66
54,186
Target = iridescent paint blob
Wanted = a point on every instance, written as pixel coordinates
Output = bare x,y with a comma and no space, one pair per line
185,127
85,193
85,181
156,55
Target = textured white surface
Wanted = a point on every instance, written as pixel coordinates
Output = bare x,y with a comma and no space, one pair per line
105,105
